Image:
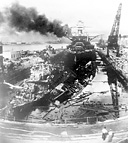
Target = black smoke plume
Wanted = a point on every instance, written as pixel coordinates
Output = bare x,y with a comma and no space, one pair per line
28,19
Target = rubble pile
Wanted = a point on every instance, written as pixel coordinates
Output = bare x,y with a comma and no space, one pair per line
121,62
55,78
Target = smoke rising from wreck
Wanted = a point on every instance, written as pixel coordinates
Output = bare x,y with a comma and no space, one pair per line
28,19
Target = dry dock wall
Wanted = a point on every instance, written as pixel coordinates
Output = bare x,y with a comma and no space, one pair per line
122,77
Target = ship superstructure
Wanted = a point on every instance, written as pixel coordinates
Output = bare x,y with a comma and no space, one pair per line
80,39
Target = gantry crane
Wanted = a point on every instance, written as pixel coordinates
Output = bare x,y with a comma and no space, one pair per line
113,37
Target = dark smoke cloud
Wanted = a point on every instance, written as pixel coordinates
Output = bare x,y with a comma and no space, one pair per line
28,19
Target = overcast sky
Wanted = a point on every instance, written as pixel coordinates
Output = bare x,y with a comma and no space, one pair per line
98,15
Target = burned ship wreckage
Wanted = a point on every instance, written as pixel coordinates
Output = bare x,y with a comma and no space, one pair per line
73,69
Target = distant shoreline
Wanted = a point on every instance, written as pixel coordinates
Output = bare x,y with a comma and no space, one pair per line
7,49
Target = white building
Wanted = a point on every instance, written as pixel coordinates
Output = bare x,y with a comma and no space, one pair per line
12,55
15,55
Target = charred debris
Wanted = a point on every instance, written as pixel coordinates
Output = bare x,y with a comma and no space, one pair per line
56,79
67,75
58,76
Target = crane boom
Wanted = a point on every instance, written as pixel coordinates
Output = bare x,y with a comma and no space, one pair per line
115,27
113,37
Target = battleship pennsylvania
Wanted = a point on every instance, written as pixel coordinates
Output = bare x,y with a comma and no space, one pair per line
69,72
